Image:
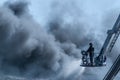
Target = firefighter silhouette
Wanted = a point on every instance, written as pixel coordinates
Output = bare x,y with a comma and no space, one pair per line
90,51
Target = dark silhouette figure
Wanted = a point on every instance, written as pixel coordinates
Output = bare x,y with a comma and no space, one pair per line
91,52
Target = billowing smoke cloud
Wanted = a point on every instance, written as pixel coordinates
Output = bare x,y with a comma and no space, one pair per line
45,53
27,49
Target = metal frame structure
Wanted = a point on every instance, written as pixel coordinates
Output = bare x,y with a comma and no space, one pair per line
115,68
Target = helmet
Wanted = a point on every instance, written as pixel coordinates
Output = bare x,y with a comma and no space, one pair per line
90,44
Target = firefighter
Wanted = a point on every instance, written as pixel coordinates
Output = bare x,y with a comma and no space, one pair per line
91,53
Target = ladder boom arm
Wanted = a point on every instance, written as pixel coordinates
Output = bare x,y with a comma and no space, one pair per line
113,70
115,30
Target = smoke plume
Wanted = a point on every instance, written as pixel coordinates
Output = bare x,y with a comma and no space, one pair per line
53,52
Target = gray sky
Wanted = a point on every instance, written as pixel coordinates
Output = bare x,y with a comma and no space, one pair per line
40,9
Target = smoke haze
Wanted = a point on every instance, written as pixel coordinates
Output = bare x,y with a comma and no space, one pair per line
29,50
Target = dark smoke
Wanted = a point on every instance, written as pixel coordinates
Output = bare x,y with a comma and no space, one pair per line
45,53
26,49
24,45
18,8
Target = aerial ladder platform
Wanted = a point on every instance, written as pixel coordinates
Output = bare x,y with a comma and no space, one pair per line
115,68
107,47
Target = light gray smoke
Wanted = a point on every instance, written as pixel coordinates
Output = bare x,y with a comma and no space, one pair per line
48,53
